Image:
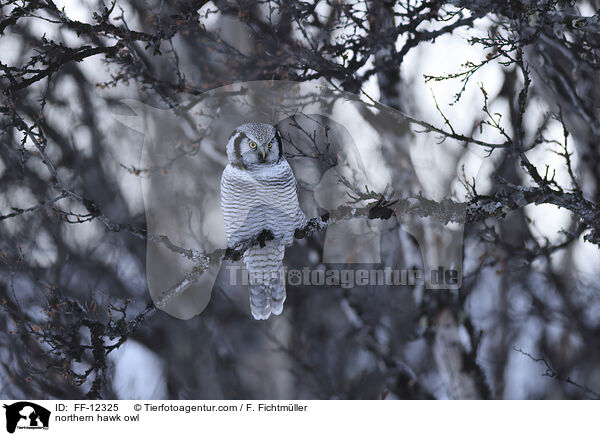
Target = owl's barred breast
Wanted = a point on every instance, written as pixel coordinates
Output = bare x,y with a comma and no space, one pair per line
259,199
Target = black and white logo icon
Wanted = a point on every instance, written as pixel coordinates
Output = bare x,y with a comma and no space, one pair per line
26,415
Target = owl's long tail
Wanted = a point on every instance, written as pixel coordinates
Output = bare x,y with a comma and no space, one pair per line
266,280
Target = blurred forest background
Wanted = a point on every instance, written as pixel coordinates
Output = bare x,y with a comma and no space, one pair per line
503,90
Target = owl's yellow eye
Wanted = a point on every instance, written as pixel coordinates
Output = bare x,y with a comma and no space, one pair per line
270,144
252,145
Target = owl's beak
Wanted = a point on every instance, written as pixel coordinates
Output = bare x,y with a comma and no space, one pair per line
264,153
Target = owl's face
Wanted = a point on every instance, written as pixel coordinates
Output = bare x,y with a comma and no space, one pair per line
254,144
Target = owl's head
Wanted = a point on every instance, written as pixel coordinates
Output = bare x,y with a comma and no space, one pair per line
254,144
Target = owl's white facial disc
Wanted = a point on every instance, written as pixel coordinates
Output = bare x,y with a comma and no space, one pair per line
253,144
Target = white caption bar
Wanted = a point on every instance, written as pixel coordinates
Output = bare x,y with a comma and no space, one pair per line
299,417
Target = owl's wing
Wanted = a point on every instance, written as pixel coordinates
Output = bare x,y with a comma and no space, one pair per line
238,199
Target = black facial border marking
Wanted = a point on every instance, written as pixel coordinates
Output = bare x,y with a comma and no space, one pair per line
279,143
236,145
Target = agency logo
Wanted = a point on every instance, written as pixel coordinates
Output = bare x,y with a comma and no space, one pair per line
26,415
